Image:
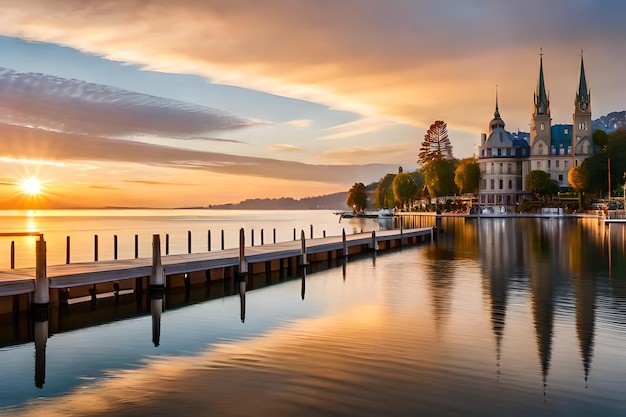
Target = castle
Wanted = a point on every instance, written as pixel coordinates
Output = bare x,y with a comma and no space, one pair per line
505,159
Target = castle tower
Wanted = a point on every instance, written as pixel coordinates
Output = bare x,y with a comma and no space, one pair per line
582,141
541,122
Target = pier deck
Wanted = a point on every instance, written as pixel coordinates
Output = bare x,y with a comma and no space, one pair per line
22,281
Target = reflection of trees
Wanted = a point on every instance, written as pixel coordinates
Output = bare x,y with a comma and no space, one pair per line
440,269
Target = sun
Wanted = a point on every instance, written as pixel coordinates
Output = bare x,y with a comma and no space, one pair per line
31,186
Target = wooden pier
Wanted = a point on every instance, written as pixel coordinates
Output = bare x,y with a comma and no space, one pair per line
45,285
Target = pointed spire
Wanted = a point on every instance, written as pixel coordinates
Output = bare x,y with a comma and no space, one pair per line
497,120
542,103
583,92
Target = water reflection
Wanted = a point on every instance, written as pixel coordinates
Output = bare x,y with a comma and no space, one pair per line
41,339
242,300
303,286
156,309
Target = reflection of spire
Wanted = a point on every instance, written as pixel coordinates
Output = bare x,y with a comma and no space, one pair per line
585,320
156,308
498,295
41,338
303,282
242,300
543,315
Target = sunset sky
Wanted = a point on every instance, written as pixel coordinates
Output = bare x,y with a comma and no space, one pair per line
190,103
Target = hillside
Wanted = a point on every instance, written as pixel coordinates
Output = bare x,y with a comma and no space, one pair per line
336,201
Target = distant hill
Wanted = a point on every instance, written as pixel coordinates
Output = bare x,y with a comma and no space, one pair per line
610,122
336,201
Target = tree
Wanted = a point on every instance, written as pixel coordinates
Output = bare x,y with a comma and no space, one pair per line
383,195
539,182
357,197
404,188
600,138
467,175
598,164
436,144
578,177
439,177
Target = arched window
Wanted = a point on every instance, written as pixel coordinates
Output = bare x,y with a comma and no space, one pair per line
510,184
540,149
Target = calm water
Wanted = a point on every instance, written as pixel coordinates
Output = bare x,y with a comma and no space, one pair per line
512,317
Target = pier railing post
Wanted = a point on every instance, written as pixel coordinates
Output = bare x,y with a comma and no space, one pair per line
344,242
303,255
156,276
243,265
41,298
189,241
67,250
374,244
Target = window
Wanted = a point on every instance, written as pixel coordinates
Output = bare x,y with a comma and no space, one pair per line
499,152
492,168
500,168
566,131
557,163
508,168
501,184
538,164
542,127
510,184
566,163
560,177
549,163
493,184
540,149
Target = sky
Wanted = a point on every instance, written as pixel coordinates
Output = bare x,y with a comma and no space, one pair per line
192,103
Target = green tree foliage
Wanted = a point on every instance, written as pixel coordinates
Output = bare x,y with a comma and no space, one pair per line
383,195
436,144
578,177
598,164
539,182
600,138
467,175
439,177
404,188
357,197
418,177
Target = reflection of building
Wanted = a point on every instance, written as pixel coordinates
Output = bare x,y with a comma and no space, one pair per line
506,159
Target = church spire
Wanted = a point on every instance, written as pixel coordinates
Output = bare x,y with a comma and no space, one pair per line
583,92
542,103
497,120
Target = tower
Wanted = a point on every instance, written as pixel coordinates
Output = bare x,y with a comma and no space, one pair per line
541,122
582,144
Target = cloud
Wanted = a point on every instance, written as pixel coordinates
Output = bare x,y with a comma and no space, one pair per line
284,148
73,106
416,60
300,123
384,153
357,127
40,144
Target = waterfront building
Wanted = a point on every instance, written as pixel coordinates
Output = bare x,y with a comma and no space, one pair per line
505,159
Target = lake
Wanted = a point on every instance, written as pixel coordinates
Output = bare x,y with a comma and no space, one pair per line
510,317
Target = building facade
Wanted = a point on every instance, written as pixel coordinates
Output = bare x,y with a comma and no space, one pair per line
505,159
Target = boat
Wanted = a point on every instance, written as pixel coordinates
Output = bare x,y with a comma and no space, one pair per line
385,213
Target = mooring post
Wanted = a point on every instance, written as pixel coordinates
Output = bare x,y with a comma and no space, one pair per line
209,240
157,284
243,265
311,231
114,246
262,239
252,237
294,233
303,257
67,250
12,254
189,241
374,244
41,298
167,243
137,246
222,239
95,248
274,235
344,243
